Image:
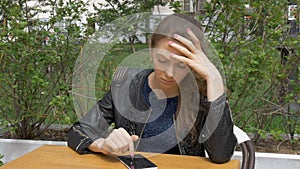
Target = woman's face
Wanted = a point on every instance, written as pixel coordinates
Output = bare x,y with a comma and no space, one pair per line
168,71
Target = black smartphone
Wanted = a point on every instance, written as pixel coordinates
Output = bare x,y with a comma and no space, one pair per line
137,162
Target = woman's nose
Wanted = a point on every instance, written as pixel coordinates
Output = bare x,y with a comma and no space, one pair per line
170,71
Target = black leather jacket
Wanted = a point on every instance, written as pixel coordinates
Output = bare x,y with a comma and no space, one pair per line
123,105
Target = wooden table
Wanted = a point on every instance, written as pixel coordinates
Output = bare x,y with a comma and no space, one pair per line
62,157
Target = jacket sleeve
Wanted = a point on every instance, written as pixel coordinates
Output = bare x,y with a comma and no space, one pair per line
93,125
217,133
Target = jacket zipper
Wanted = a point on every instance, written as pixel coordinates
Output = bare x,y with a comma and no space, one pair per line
179,147
138,142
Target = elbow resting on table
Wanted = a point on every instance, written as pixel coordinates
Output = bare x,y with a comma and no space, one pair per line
221,160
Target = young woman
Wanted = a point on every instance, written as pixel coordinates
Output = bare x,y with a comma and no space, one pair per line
178,107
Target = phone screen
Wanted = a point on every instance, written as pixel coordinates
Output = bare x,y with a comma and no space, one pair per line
138,162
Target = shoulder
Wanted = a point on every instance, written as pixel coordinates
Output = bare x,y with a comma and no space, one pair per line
123,72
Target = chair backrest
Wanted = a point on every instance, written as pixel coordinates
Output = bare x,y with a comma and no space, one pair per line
248,159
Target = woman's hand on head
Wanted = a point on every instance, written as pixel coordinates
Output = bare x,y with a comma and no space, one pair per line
119,141
197,60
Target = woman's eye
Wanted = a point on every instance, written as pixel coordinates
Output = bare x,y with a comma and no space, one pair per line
162,60
181,65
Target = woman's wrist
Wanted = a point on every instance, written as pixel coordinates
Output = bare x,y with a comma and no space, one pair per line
96,146
215,87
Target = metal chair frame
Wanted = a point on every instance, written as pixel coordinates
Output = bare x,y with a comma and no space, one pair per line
248,158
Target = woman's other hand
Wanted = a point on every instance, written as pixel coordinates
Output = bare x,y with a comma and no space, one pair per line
197,60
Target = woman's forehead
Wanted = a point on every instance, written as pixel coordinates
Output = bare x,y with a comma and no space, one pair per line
163,47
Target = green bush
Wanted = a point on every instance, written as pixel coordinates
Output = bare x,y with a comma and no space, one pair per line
262,82
1,162
36,74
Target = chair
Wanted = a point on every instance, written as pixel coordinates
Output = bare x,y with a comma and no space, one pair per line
248,158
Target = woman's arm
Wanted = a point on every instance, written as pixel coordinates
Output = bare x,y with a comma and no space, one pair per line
217,134
94,134
93,125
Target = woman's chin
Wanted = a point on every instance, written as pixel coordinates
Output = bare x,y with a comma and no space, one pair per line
168,84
